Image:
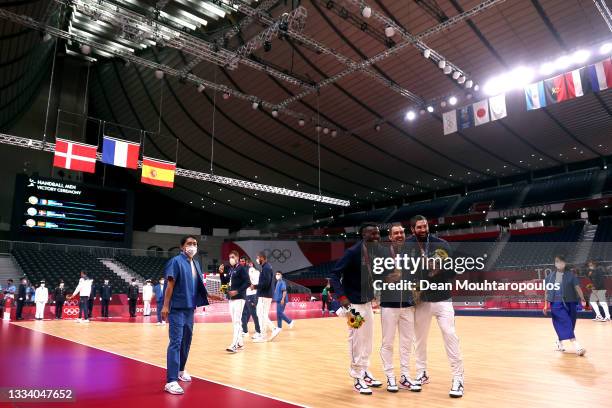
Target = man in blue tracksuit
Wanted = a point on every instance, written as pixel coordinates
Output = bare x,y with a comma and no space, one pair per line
158,290
265,291
184,291
352,280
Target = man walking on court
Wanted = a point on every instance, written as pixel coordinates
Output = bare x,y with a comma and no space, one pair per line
238,282
265,292
184,292
132,294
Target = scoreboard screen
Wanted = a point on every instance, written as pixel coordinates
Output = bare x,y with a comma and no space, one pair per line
50,208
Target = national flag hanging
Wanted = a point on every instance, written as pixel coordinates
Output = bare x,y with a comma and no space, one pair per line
481,112
449,120
534,95
120,152
158,172
573,80
75,156
465,117
600,75
497,106
555,90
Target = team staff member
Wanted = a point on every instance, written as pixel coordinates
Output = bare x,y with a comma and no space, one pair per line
325,299
238,281
265,291
21,298
598,293
159,297
59,297
397,314
90,304
250,304
83,289
132,294
352,281
184,292
41,298
147,295
106,295
436,303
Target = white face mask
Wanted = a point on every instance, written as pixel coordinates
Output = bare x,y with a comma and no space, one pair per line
257,260
191,251
106,282
279,277
42,285
61,285
133,283
232,261
161,283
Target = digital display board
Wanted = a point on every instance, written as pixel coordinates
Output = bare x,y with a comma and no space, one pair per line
74,211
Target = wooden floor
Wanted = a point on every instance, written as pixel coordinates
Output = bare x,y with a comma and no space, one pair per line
509,362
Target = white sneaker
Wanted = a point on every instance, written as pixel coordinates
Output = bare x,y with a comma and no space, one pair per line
275,333
78,320
231,349
606,319
361,387
456,390
559,346
581,351
422,378
158,323
184,376
260,339
370,380
163,322
598,319
174,388
291,324
407,384
86,321
256,336
392,385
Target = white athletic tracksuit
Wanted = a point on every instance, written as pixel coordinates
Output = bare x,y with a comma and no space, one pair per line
394,319
41,296
235,307
360,341
263,311
147,295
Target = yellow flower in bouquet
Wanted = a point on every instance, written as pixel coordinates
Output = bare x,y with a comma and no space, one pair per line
589,286
355,320
224,288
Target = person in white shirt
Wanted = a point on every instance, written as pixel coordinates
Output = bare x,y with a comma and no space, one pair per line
250,308
147,295
41,296
83,289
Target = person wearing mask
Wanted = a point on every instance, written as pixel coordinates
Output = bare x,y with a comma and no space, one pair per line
159,298
83,289
147,295
9,289
31,293
434,303
265,291
562,302
106,295
184,292
59,297
238,282
90,304
598,293
281,297
132,294
250,305
21,298
325,299
352,281
41,297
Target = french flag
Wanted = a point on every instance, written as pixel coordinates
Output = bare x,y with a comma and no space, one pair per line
120,153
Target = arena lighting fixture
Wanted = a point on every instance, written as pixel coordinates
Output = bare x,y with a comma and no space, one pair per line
255,105
562,62
456,75
201,88
334,133
427,53
325,131
441,64
461,80
377,128
366,12
159,74
410,115
430,109
226,96
274,113
85,49
389,31
443,104
497,85
47,37
519,77
469,83
580,56
476,88
605,48
318,128
452,100
447,69
547,68
422,111
301,122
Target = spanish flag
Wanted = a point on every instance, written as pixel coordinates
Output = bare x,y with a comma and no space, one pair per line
158,172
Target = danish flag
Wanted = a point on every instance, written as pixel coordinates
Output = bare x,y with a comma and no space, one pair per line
75,156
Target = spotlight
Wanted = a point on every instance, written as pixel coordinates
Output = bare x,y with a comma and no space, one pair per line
85,49
461,80
389,31
469,83
427,53
580,56
201,88
275,113
452,100
456,75
226,96
325,130
443,104
301,122
267,46
447,69
46,37
422,111
469,96
255,105
410,115
441,64
159,74
318,128
377,128
476,88
605,48
334,133
547,68
430,109
366,12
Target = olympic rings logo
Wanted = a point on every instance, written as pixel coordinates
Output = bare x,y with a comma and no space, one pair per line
71,311
277,255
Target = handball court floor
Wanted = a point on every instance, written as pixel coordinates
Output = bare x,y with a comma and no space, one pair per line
509,362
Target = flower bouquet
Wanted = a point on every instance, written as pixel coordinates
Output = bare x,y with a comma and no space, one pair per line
224,288
589,286
355,320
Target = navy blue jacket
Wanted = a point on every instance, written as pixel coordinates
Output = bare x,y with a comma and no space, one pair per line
396,298
179,269
21,292
265,287
350,279
106,292
240,281
444,276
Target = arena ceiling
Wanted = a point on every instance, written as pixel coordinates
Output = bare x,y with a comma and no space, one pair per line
360,163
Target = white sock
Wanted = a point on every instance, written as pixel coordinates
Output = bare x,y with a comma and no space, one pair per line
595,309
606,309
